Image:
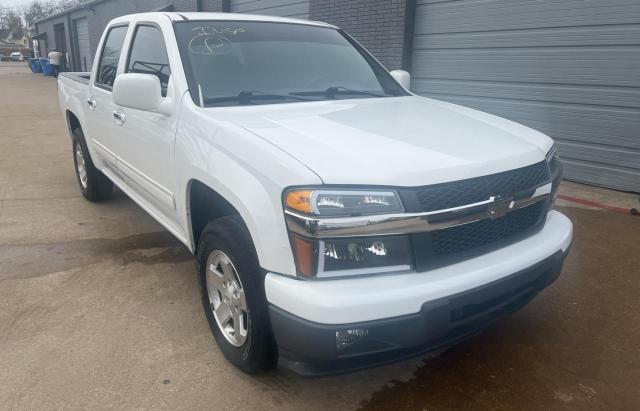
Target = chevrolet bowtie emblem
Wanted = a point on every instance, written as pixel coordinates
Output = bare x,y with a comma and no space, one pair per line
500,207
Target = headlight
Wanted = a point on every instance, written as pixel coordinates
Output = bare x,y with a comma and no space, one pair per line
351,256
325,202
319,258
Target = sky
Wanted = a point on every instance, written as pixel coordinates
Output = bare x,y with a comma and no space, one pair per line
11,3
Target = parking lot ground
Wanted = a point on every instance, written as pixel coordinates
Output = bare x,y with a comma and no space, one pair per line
100,308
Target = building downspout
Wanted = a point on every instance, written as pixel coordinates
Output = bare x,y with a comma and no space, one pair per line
72,47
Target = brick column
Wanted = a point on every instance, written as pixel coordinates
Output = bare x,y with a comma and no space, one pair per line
379,25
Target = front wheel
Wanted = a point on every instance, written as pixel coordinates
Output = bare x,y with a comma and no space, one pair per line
233,295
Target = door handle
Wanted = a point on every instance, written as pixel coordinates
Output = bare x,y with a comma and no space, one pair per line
92,103
119,117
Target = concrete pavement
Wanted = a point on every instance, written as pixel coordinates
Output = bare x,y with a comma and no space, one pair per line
99,308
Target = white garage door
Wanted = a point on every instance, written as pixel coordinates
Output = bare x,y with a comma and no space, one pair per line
84,48
570,69
283,8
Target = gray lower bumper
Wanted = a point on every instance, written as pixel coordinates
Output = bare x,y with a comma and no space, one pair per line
311,349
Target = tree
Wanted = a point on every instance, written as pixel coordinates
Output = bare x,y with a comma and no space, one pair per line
10,20
37,9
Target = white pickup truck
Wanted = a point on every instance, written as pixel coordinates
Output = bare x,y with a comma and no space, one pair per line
339,221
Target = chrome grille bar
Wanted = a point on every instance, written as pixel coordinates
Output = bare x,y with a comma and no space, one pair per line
408,223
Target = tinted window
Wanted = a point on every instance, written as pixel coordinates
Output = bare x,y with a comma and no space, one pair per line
149,55
111,56
243,62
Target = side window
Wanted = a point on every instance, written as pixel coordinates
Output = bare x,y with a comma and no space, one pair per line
110,56
149,55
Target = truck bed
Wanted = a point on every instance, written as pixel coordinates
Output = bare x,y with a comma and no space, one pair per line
73,91
80,76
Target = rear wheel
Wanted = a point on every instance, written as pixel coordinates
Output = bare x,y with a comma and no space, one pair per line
94,185
233,295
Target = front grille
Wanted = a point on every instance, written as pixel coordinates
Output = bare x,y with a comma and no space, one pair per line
480,233
473,190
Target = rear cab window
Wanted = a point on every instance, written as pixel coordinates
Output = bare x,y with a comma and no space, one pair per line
110,57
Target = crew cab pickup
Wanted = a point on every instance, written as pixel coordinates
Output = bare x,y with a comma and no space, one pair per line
339,221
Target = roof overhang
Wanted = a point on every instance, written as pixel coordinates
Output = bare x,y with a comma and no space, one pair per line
82,6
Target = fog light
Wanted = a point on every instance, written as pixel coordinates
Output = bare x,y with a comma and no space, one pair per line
346,338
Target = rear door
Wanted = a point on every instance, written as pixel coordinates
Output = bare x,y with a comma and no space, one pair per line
100,106
145,140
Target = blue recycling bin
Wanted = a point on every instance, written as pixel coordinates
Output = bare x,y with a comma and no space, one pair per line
43,64
47,68
34,63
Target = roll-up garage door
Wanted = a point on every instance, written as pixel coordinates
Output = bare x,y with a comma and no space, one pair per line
84,49
570,69
283,8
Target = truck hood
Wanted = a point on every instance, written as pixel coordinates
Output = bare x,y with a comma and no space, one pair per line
399,141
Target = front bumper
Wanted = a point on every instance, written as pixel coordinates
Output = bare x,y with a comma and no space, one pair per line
409,314
310,348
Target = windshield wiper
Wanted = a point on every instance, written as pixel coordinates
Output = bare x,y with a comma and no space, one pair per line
332,92
248,97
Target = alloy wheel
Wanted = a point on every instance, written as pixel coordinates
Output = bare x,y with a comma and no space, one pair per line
81,167
226,298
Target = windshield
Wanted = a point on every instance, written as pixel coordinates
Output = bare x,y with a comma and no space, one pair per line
231,63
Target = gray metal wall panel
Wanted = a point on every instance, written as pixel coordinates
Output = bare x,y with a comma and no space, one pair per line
601,65
283,8
570,69
84,46
497,15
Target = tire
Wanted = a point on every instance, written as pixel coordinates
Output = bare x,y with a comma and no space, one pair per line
94,185
256,351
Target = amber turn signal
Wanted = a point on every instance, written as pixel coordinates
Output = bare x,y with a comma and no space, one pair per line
299,200
305,255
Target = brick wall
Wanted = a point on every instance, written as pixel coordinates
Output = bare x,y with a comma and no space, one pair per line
212,6
184,5
377,24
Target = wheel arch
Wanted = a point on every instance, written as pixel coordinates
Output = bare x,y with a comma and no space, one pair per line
73,122
204,204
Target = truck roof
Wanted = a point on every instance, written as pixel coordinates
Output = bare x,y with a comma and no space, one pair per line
219,16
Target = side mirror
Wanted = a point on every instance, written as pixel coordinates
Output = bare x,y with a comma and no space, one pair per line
139,91
402,77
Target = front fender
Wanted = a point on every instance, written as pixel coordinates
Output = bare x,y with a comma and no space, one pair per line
249,172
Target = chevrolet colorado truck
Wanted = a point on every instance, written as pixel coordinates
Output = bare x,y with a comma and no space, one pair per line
338,220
